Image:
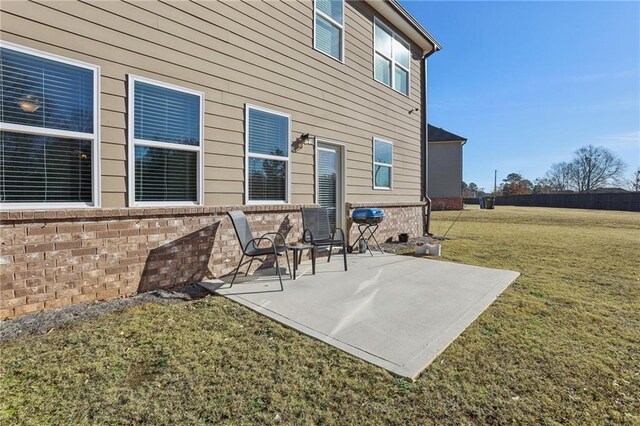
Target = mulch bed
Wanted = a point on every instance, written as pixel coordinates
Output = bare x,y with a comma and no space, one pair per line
44,321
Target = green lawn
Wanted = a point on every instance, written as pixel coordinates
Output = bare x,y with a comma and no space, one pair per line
561,345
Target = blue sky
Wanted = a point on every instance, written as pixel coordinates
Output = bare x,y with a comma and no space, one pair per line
528,83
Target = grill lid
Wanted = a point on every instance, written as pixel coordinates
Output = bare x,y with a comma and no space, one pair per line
360,214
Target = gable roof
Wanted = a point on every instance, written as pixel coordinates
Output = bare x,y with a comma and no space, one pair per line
438,134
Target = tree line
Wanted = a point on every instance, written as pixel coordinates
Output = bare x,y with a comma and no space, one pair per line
590,169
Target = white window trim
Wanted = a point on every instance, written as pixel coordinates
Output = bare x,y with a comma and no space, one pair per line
376,163
93,137
317,12
247,154
394,63
132,142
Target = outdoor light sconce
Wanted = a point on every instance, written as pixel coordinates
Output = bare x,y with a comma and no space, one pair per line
301,141
29,103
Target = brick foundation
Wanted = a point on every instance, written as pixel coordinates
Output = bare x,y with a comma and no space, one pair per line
54,258
440,204
399,217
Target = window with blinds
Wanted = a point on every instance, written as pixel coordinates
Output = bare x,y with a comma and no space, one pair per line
391,59
48,130
329,27
382,164
165,127
267,150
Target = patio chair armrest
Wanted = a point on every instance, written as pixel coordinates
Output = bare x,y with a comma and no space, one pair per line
275,234
304,236
256,242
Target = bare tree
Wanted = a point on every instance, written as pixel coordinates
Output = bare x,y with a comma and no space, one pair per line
559,177
595,167
633,184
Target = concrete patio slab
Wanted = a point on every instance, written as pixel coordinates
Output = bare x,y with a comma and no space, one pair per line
397,312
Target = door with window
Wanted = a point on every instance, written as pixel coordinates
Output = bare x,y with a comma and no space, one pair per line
330,183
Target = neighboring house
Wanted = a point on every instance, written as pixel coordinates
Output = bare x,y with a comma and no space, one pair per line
445,169
130,129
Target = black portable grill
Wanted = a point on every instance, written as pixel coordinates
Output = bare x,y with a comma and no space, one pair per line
368,220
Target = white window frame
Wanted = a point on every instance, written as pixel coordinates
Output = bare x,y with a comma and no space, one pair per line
376,163
394,36
43,131
317,12
247,155
132,142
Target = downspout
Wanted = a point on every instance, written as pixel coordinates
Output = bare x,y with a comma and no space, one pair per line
424,146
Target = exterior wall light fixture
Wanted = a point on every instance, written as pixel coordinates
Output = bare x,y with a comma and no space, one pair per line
301,141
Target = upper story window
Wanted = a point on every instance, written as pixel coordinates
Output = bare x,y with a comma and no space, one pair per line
329,27
392,58
48,130
382,164
165,144
267,167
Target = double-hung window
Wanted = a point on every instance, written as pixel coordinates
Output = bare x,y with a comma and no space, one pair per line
165,144
329,27
48,130
392,58
382,164
267,168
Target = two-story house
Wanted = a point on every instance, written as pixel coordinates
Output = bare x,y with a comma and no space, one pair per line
129,129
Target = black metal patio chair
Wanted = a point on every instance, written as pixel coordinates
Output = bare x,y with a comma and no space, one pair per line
251,246
318,232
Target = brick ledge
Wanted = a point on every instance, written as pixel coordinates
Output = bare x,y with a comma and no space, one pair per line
108,213
387,204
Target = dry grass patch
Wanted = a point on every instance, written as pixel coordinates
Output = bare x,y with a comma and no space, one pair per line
562,344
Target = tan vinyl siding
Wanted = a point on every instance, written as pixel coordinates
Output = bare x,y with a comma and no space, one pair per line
235,53
445,169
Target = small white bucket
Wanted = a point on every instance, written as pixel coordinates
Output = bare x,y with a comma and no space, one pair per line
434,249
421,248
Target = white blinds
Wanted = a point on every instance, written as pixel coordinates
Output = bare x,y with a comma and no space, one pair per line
40,169
44,93
329,26
45,99
267,180
166,115
268,155
327,182
165,174
331,8
268,133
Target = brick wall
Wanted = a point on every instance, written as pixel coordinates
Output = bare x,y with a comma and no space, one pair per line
440,204
54,258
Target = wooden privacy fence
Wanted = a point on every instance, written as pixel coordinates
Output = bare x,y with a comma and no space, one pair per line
624,201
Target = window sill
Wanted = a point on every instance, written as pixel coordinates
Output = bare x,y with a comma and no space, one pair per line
388,86
329,56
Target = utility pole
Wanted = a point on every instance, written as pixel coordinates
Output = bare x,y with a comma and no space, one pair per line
495,181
